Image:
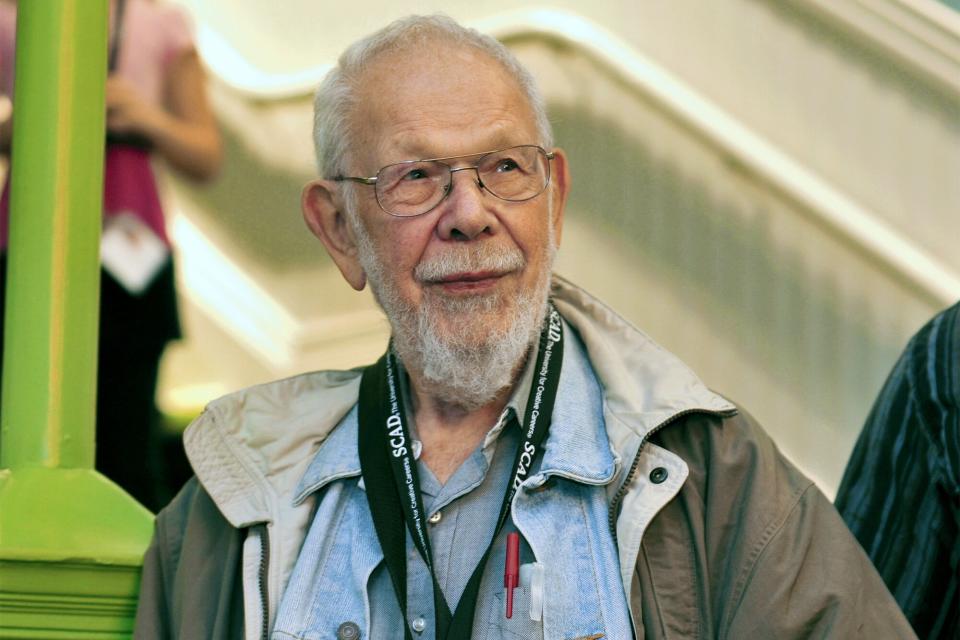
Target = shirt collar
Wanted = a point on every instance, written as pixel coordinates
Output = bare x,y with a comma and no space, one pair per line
577,447
338,457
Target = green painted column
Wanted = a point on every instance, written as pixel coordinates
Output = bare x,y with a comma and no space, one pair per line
50,382
70,540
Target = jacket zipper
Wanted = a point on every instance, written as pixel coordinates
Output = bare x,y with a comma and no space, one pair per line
262,582
622,491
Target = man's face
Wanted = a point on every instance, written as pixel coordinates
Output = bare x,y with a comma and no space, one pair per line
469,260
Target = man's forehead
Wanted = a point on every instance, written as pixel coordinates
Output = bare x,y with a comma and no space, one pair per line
417,144
413,100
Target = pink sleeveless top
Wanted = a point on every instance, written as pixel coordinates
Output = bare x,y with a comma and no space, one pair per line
153,35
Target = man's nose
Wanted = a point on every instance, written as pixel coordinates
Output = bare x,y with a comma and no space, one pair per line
466,212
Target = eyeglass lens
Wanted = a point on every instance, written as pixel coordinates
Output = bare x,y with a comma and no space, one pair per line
412,188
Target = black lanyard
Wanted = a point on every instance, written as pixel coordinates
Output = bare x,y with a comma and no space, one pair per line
394,496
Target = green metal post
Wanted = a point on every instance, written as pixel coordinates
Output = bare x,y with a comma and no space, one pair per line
49,384
70,541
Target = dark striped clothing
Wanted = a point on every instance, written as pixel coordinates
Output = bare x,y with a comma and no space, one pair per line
900,494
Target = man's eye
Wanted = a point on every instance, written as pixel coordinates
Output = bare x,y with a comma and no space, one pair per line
506,165
415,174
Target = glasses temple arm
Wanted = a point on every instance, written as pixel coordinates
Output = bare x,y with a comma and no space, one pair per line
372,180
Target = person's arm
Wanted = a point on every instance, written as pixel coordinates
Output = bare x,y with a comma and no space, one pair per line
184,133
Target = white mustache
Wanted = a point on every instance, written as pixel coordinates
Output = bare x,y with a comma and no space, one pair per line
469,258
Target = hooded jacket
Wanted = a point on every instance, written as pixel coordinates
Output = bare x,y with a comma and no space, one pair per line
718,534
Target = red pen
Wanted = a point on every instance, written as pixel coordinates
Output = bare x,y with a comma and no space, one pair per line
511,569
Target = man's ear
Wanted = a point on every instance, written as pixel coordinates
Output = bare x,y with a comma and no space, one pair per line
560,183
324,213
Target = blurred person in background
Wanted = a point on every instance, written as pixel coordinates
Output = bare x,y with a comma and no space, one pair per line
900,493
156,106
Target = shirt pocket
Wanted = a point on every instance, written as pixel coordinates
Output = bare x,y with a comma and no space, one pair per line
518,627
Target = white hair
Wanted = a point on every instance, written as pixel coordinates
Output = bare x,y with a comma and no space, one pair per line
333,131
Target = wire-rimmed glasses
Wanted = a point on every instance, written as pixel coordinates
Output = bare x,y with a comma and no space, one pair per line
415,187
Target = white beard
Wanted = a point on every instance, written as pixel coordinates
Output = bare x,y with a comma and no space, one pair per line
468,350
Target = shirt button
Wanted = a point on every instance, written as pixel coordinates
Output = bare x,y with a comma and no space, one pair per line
419,624
434,519
348,631
658,475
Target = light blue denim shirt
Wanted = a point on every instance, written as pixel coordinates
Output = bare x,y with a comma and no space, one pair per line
570,578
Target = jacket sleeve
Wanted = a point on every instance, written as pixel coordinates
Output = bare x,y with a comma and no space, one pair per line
153,613
750,548
191,586
160,563
812,580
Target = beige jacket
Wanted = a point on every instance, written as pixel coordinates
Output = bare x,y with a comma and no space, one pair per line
719,535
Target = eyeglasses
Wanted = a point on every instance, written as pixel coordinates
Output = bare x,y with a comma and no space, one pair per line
415,187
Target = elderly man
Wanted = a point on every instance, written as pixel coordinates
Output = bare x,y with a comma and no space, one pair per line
521,462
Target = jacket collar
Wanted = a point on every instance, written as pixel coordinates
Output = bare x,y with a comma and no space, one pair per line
644,385
250,448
